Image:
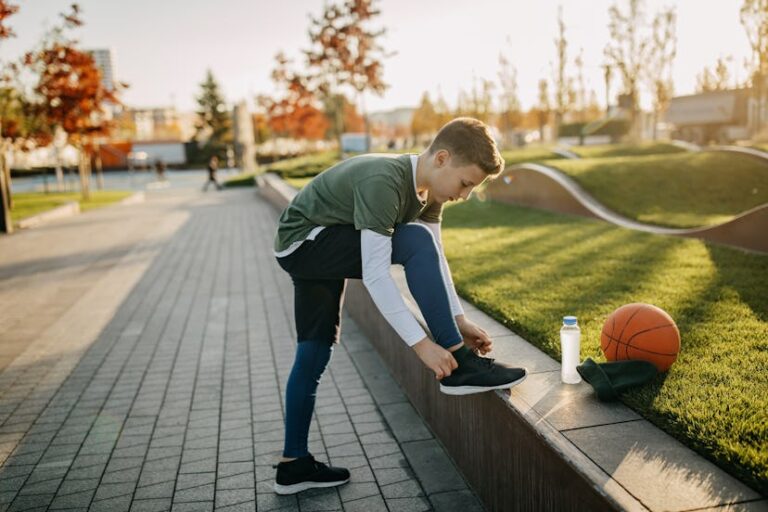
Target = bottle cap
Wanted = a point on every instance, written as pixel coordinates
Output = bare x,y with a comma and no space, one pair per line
569,320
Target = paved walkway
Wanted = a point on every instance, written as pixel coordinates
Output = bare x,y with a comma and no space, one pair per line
143,354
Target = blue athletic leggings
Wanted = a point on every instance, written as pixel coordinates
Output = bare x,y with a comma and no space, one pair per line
318,269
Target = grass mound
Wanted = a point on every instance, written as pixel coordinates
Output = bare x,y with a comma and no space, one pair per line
532,154
680,190
611,150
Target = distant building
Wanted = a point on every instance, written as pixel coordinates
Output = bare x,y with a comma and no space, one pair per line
392,127
715,116
105,60
158,123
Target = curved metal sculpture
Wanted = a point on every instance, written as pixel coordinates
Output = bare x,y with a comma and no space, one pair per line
545,187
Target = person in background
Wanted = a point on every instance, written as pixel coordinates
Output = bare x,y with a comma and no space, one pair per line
213,166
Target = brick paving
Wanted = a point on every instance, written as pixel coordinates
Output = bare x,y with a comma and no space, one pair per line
145,349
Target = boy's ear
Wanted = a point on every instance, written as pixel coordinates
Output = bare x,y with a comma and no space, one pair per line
442,157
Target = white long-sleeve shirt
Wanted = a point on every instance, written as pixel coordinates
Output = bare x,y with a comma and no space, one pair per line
376,253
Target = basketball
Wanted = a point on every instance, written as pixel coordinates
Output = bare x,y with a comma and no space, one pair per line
641,331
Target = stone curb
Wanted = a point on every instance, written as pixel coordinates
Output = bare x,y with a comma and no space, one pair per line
69,209
66,210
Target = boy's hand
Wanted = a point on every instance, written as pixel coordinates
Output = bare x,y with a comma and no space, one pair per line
474,336
436,358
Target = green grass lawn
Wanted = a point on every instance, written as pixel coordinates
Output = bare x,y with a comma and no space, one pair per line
529,154
298,183
679,190
28,204
303,166
243,179
528,268
611,150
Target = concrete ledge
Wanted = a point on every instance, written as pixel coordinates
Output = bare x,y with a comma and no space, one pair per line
545,445
65,210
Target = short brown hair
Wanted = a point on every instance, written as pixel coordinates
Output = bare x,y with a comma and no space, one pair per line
470,143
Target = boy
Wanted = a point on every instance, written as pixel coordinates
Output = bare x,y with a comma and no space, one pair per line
355,220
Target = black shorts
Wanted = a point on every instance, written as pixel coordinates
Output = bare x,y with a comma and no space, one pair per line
319,269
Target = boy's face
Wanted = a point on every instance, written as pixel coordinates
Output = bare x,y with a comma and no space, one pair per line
454,182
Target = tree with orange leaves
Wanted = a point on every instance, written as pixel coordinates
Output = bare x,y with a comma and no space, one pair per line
345,55
70,94
6,225
296,114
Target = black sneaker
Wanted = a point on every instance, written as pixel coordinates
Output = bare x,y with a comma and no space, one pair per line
476,374
306,473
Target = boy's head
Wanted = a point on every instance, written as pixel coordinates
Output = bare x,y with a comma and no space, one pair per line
464,154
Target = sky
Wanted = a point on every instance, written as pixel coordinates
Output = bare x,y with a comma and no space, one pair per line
162,48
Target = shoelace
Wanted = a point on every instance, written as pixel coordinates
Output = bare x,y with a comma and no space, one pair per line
484,361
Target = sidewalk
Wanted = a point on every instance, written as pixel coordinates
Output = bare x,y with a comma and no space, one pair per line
143,354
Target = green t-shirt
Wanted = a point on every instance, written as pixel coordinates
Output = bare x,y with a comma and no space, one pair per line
369,191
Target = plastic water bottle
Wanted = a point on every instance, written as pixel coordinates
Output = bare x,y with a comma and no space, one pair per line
570,340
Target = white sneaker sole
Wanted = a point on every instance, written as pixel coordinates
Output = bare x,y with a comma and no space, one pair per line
303,486
471,390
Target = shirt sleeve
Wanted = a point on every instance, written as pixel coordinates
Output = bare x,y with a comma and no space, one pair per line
453,297
376,253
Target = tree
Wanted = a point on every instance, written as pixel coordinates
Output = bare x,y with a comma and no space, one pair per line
661,56
214,120
69,93
297,114
580,91
543,109
478,103
754,18
510,113
716,79
563,85
345,55
442,111
6,225
425,119
628,50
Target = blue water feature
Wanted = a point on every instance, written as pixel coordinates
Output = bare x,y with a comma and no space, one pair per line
123,180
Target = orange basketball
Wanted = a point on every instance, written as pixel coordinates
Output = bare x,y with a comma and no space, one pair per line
641,331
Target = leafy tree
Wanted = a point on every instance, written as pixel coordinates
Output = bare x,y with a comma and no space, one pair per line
563,85
510,113
661,56
297,114
6,10
478,102
425,119
214,120
628,50
716,79
345,56
442,111
69,93
544,108
754,18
